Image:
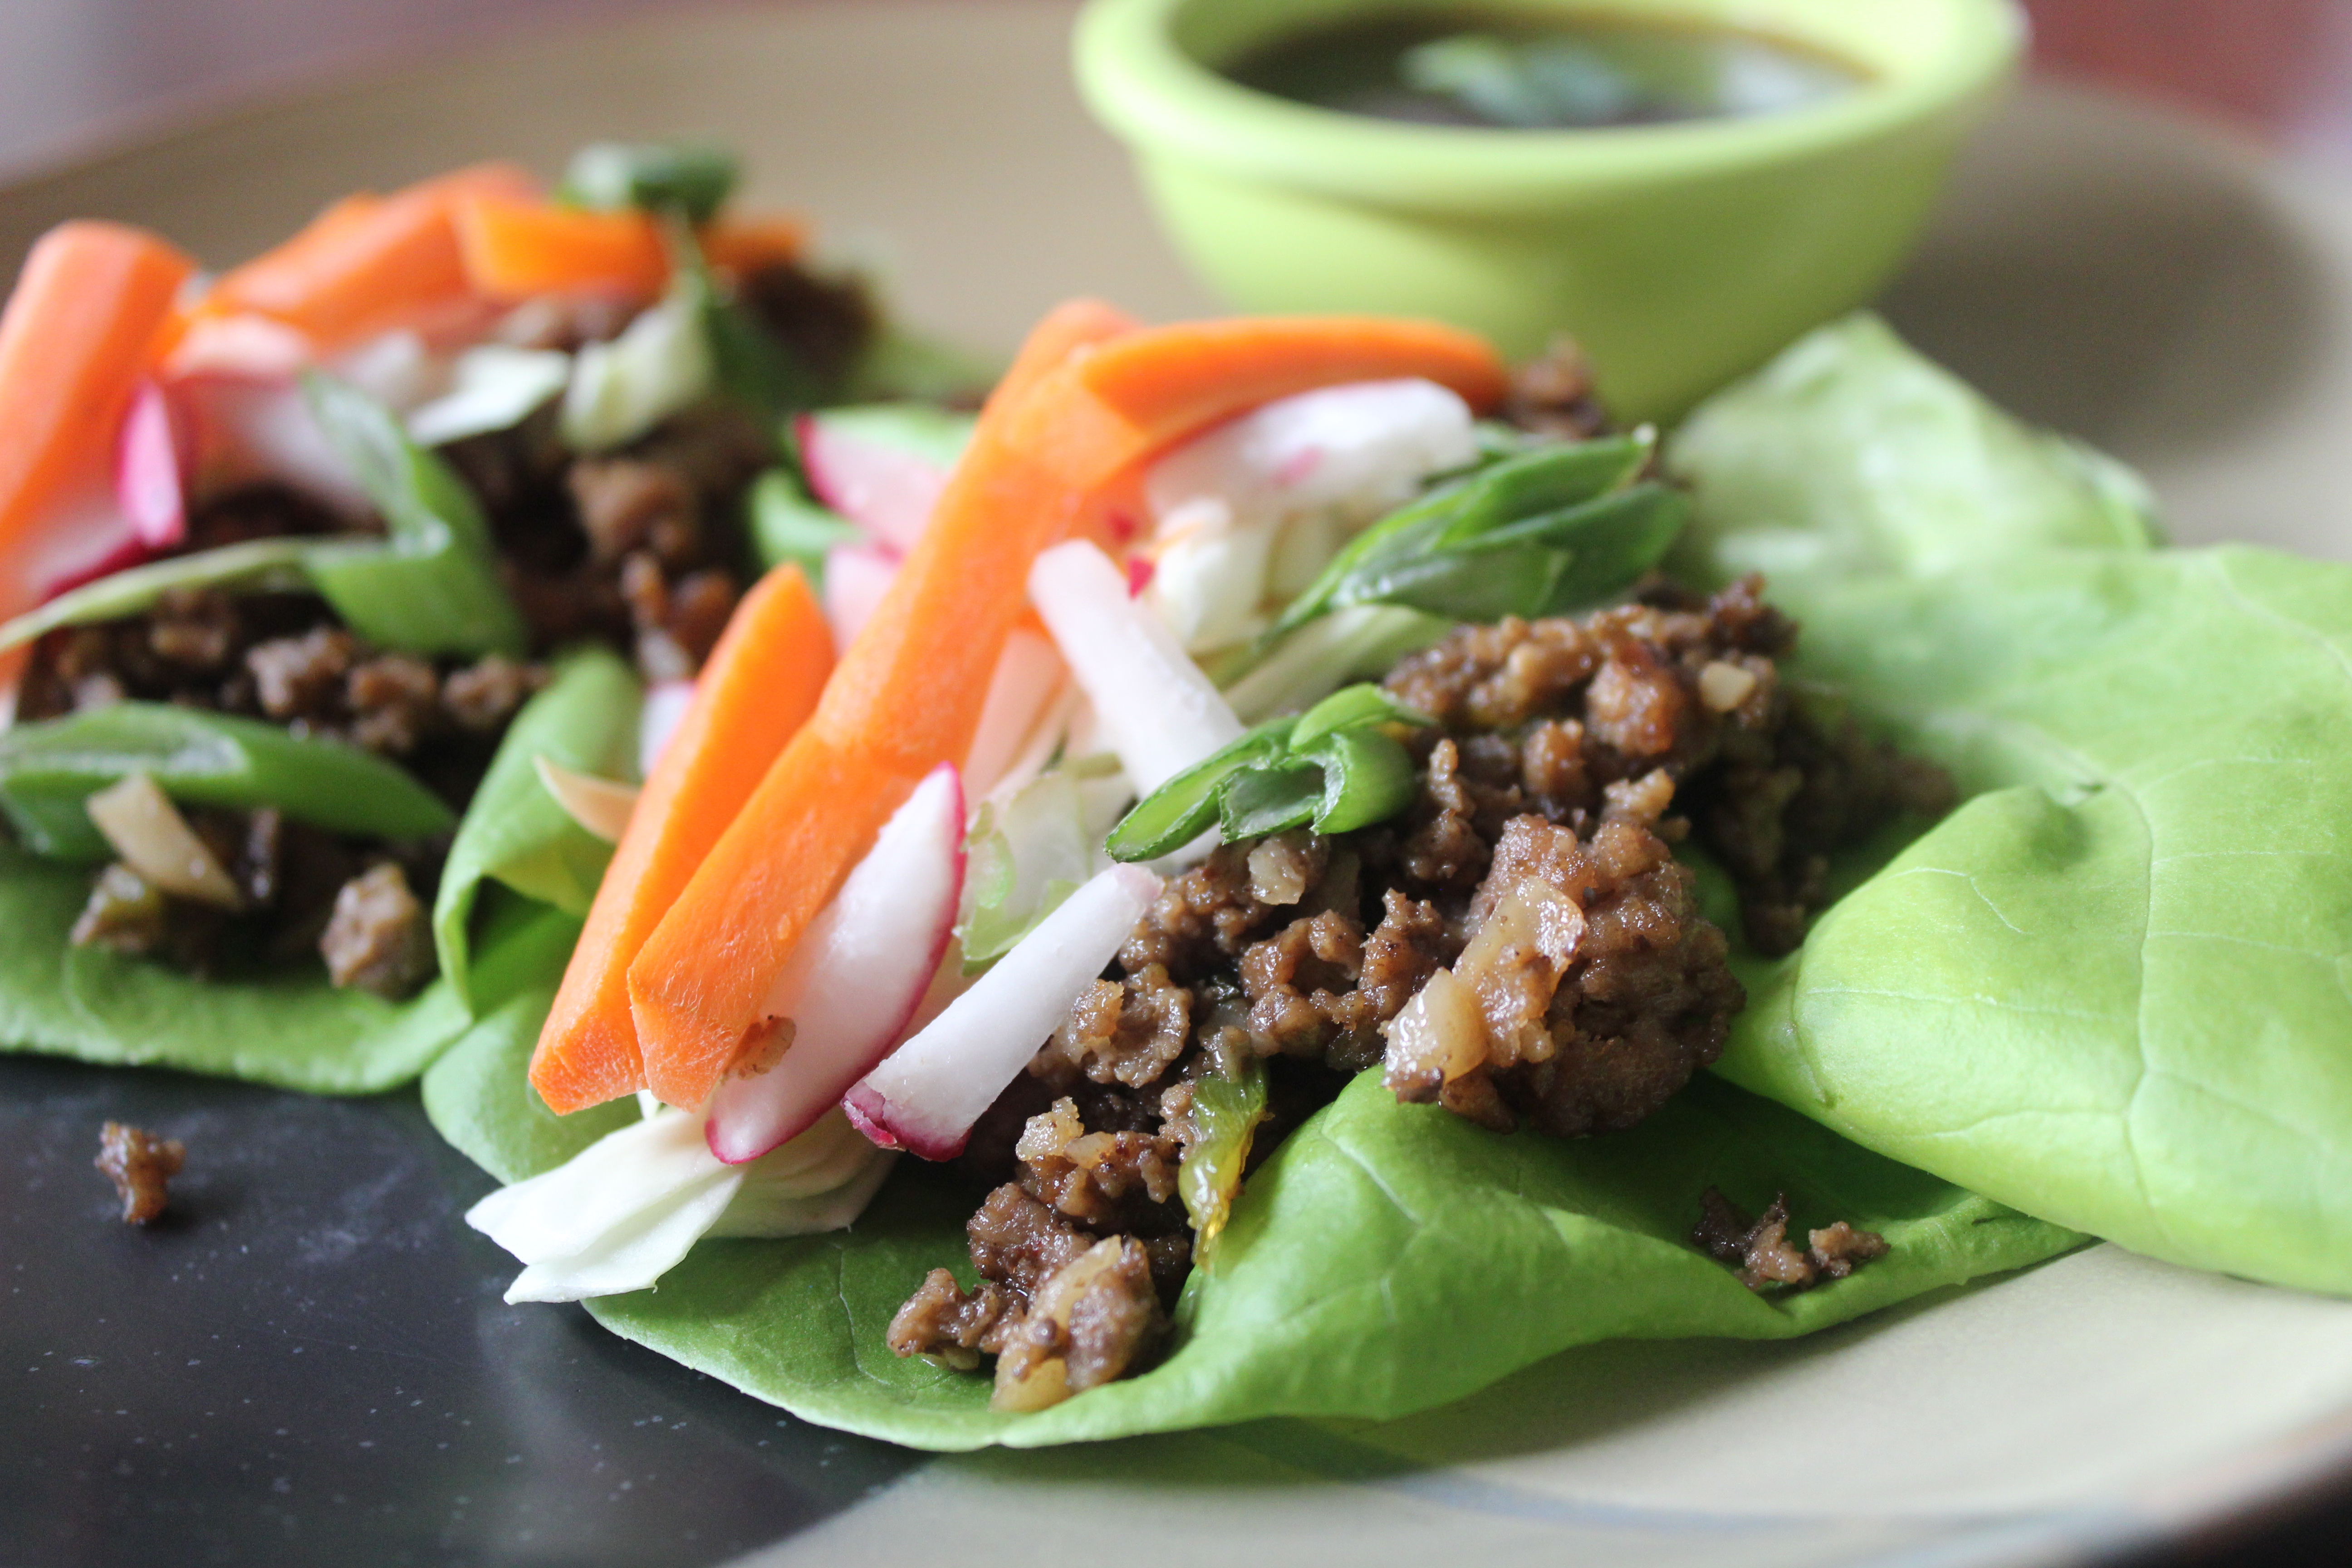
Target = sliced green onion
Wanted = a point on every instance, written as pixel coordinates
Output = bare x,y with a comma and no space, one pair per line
1367,777
1269,798
1224,1116
1183,809
1345,709
610,176
787,525
49,769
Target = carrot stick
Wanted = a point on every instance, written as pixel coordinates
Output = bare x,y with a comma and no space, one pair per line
759,685
369,263
906,697
79,332
1153,387
515,249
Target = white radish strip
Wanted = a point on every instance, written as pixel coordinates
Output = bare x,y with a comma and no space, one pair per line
925,1095
855,578
887,490
151,460
602,806
1156,709
266,431
665,709
1028,678
855,977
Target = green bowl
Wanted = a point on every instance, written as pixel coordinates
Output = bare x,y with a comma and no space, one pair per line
1678,254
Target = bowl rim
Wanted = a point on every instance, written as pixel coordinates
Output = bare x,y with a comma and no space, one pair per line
1142,86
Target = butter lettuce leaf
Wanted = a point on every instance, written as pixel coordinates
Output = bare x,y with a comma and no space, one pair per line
2115,988
1851,454
290,1028
514,832
1388,1258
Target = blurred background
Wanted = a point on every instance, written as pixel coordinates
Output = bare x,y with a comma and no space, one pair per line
79,75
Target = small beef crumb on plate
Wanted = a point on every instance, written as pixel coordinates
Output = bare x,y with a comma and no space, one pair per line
140,1165
1760,1249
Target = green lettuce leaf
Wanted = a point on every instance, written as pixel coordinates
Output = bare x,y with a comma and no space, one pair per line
514,832
292,1029
1851,454
2115,988
1388,1258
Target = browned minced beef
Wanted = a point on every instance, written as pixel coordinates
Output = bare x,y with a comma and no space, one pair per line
1669,711
1552,395
141,1166
1760,1249
1582,986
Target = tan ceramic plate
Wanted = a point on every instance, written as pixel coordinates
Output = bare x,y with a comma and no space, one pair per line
2160,292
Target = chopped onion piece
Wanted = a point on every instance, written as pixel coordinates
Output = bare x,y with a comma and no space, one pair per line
1156,709
621,389
624,1211
493,387
925,1095
154,840
855,978
600,806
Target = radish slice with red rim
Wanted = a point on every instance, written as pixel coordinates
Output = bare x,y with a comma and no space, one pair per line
887,490
854,981
151,460
925,1095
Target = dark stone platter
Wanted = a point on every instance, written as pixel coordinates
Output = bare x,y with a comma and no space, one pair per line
307,1362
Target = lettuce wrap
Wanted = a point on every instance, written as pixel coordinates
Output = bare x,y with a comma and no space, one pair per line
290,1027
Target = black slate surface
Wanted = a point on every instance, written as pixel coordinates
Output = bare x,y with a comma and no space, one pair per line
308,1362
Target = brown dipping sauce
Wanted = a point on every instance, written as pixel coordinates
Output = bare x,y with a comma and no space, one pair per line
1572,71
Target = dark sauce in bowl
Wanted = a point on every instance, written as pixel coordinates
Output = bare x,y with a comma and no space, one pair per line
1574,71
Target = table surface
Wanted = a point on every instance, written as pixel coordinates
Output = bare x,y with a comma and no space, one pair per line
325,1361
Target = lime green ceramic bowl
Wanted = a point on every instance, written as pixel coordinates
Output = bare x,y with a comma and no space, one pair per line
1679,255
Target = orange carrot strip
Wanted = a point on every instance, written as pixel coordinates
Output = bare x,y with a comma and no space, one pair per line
906,697
515,249
745,244
760,684
78,333
1152,387
369,263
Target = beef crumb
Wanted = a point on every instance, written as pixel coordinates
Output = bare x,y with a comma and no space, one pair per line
378,939
1760,1248
141,1166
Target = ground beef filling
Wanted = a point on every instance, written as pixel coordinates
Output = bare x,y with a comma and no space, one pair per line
641,548
1759,1248
1520,946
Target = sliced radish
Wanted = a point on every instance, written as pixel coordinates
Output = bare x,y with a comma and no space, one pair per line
240,348
152,461
884,488
1029,677
265,430
84,538
855,578
855,978
1157,711
925,1095
664,707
